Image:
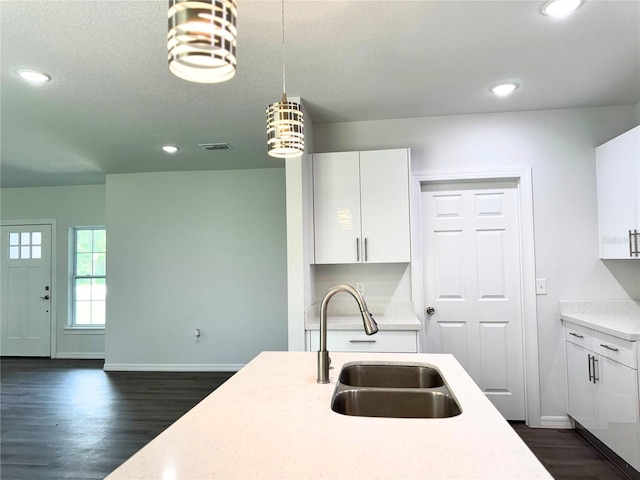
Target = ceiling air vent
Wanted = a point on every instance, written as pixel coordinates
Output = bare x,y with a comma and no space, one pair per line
215,146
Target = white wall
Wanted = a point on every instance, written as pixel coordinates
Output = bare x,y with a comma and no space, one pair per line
299,204
194,250
558,146
71,207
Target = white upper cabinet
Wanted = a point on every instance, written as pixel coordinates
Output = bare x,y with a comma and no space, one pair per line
361,207
618,177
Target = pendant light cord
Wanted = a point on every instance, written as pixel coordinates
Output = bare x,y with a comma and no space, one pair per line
284,58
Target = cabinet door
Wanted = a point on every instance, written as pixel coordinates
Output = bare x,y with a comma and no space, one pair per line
336,207
403,341
618,180
384,187
618,424
582,391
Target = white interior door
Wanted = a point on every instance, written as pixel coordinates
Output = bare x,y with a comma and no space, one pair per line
472,278
25,322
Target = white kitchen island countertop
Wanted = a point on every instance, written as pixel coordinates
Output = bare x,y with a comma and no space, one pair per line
271,420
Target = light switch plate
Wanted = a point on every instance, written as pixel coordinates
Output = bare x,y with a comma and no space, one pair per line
541,286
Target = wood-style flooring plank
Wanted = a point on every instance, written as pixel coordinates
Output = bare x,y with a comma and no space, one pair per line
69,419
567,455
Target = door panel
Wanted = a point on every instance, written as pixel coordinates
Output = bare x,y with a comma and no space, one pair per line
450,282
336,184
491,267
471,252
493,352
25,320
384,192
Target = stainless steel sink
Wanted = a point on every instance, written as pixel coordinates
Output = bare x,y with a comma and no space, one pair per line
390,375
394,390
395,403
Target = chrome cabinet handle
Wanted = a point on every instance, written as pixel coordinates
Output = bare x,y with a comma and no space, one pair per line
608,347
633,241
590,371
595,369
366,252
362,341
575,335
357,249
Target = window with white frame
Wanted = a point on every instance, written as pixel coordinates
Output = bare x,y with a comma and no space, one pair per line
89,289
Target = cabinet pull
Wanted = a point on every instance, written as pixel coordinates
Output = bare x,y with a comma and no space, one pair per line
357,249
366,251
362,341
575,335
635,236
608,347
630,245
589,363
595,369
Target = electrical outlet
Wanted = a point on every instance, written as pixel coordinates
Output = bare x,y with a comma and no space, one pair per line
541,286
360,287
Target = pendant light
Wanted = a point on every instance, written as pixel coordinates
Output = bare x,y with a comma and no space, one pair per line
285,123
201,42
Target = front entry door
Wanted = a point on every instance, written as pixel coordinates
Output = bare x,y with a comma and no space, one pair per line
25,322
472,278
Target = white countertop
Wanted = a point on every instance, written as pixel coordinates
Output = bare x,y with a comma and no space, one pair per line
347,317
620,319
272,420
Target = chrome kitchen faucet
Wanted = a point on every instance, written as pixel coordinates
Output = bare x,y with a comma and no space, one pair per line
370,326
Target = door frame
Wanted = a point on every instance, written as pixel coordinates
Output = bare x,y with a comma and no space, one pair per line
54,285
524,188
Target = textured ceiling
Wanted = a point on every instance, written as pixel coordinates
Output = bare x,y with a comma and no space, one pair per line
112,102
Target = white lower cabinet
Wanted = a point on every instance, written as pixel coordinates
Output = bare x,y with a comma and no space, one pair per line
603,392
401,341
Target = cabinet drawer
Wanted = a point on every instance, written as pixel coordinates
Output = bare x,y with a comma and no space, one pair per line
578,335
618,349
356,341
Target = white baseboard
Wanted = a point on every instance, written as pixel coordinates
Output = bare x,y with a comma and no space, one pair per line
171,367
80,355
560,421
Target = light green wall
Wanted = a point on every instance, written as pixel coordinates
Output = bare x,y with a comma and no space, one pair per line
70,206
194,250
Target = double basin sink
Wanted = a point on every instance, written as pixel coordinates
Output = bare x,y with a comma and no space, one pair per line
395,390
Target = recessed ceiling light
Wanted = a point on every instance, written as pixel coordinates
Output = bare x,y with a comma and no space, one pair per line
33,76
560,8
504,89
170,148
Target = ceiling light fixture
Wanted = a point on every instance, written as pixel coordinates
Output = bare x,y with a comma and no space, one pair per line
504,89
285,122
202,38
170,148
560,8
33,76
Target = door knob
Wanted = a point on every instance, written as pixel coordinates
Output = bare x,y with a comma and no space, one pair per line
431,310
46,297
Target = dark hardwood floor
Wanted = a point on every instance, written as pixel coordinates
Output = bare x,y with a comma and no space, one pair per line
567,455
68,419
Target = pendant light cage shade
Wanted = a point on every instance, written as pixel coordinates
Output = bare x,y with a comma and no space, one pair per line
285,129
202,38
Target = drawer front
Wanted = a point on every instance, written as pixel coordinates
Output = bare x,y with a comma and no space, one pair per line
579,335
355,341
617,349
